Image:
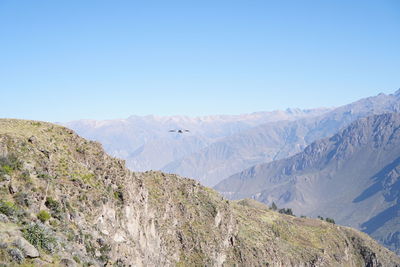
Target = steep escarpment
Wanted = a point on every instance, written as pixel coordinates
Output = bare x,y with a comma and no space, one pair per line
65,202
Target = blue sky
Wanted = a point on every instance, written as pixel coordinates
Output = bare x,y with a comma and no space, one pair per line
66,60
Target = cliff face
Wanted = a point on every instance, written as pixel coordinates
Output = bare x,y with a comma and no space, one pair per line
65,202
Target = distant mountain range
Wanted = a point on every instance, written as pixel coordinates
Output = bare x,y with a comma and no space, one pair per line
353,176
274,140
219,146
146,143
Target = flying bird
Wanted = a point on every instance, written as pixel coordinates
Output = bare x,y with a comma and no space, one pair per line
179,131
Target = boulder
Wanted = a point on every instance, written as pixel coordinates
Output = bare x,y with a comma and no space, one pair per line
12,188
4,218
67,263
28,249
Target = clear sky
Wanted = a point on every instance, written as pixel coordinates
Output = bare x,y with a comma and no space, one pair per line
66,60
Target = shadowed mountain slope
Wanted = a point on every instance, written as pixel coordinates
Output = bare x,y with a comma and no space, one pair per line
352,176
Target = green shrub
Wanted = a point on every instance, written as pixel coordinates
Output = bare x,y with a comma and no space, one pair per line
76,259
9,163
54,206
44,176
40,237
330,220
119,196
287,211
36,123
7,169
43,216
25,176
22,199
8,208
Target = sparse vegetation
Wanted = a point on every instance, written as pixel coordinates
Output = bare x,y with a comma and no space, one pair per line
44,176
287,211
76,259
43,216
8,208
327,219
22,199
38,236
54,206
9,164
118,195
330,220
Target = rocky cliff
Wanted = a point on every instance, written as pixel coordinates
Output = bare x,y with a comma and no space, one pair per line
64,202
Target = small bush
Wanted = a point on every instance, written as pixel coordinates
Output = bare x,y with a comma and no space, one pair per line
105,250
287,211
43,216
9,163
40,238
44,176
330,220
16,255
76,259
22,199
80,150
54,206
6,169
25,176
8,208
36,123
119,196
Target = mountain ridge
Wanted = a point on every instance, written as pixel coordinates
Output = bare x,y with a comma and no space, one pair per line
363,158
149,135
275,140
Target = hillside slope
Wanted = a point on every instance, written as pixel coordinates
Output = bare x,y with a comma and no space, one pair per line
64,202
354,177
274,140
